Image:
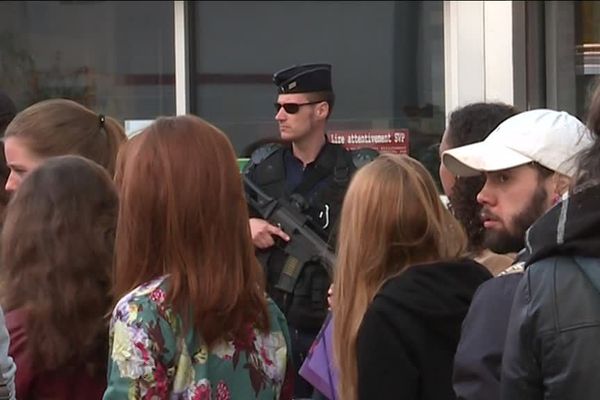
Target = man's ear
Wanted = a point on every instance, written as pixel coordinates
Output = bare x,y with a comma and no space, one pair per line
322,110
561,183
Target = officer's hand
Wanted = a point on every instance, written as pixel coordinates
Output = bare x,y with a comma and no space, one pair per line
262,233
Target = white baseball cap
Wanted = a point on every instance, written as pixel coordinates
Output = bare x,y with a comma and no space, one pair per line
550,138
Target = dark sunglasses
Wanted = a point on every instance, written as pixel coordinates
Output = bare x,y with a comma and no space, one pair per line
293,108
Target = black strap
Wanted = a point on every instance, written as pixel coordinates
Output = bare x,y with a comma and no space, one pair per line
343,168
331,159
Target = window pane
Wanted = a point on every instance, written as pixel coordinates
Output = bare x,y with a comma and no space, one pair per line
387,57
587,25
114,57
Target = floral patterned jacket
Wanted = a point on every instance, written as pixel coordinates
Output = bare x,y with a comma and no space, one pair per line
152,358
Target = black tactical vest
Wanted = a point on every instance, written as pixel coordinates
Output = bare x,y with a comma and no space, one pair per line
306,306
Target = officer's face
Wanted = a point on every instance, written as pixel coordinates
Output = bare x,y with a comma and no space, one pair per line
298,121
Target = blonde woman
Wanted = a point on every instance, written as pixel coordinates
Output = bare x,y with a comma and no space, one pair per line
402,286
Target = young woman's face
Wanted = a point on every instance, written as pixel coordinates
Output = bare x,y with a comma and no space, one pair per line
20,160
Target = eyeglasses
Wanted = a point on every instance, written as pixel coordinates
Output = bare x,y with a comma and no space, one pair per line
293,108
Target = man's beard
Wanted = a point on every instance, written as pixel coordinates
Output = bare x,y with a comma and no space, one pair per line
503,241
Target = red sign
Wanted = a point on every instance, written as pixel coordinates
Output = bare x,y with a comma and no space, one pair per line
389,140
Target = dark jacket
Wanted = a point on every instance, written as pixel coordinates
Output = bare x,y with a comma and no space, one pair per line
7,364
552,348
478,360
408,337
75,383
322,185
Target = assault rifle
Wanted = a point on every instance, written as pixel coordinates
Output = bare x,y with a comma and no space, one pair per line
304,245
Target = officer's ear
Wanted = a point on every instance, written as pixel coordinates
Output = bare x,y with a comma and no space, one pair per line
322,110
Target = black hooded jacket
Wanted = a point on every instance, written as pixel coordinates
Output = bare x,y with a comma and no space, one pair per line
409,334
552,348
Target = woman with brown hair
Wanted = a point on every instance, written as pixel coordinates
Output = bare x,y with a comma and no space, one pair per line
193,320
402,286
7,364
57,250
59,127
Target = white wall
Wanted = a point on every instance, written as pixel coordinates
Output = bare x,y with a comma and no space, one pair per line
478,38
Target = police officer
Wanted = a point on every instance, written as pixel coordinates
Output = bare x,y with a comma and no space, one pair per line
309,168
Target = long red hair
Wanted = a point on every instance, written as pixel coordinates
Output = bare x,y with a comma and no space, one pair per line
183,214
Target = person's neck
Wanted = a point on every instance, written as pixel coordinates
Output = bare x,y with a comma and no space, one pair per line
308,149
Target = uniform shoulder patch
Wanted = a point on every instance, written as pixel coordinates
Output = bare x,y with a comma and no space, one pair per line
363,156
263,152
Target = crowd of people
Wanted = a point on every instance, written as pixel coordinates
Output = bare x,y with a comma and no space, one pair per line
139,269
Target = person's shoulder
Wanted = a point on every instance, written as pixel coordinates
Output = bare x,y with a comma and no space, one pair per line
272,306
459,269
16,322
502,286
547,292
144,298
275,315
560,262
278,334
261,154
558,271
452,279
16,326
264,152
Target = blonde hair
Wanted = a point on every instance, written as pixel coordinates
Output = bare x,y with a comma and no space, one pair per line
392,218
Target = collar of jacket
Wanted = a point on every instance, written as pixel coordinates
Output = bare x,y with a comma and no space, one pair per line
570,228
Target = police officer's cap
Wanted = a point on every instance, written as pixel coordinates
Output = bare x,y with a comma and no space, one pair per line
304,78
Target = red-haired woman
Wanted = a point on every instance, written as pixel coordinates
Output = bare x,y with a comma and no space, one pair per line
193,320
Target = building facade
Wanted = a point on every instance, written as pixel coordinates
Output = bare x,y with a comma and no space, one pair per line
397,66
